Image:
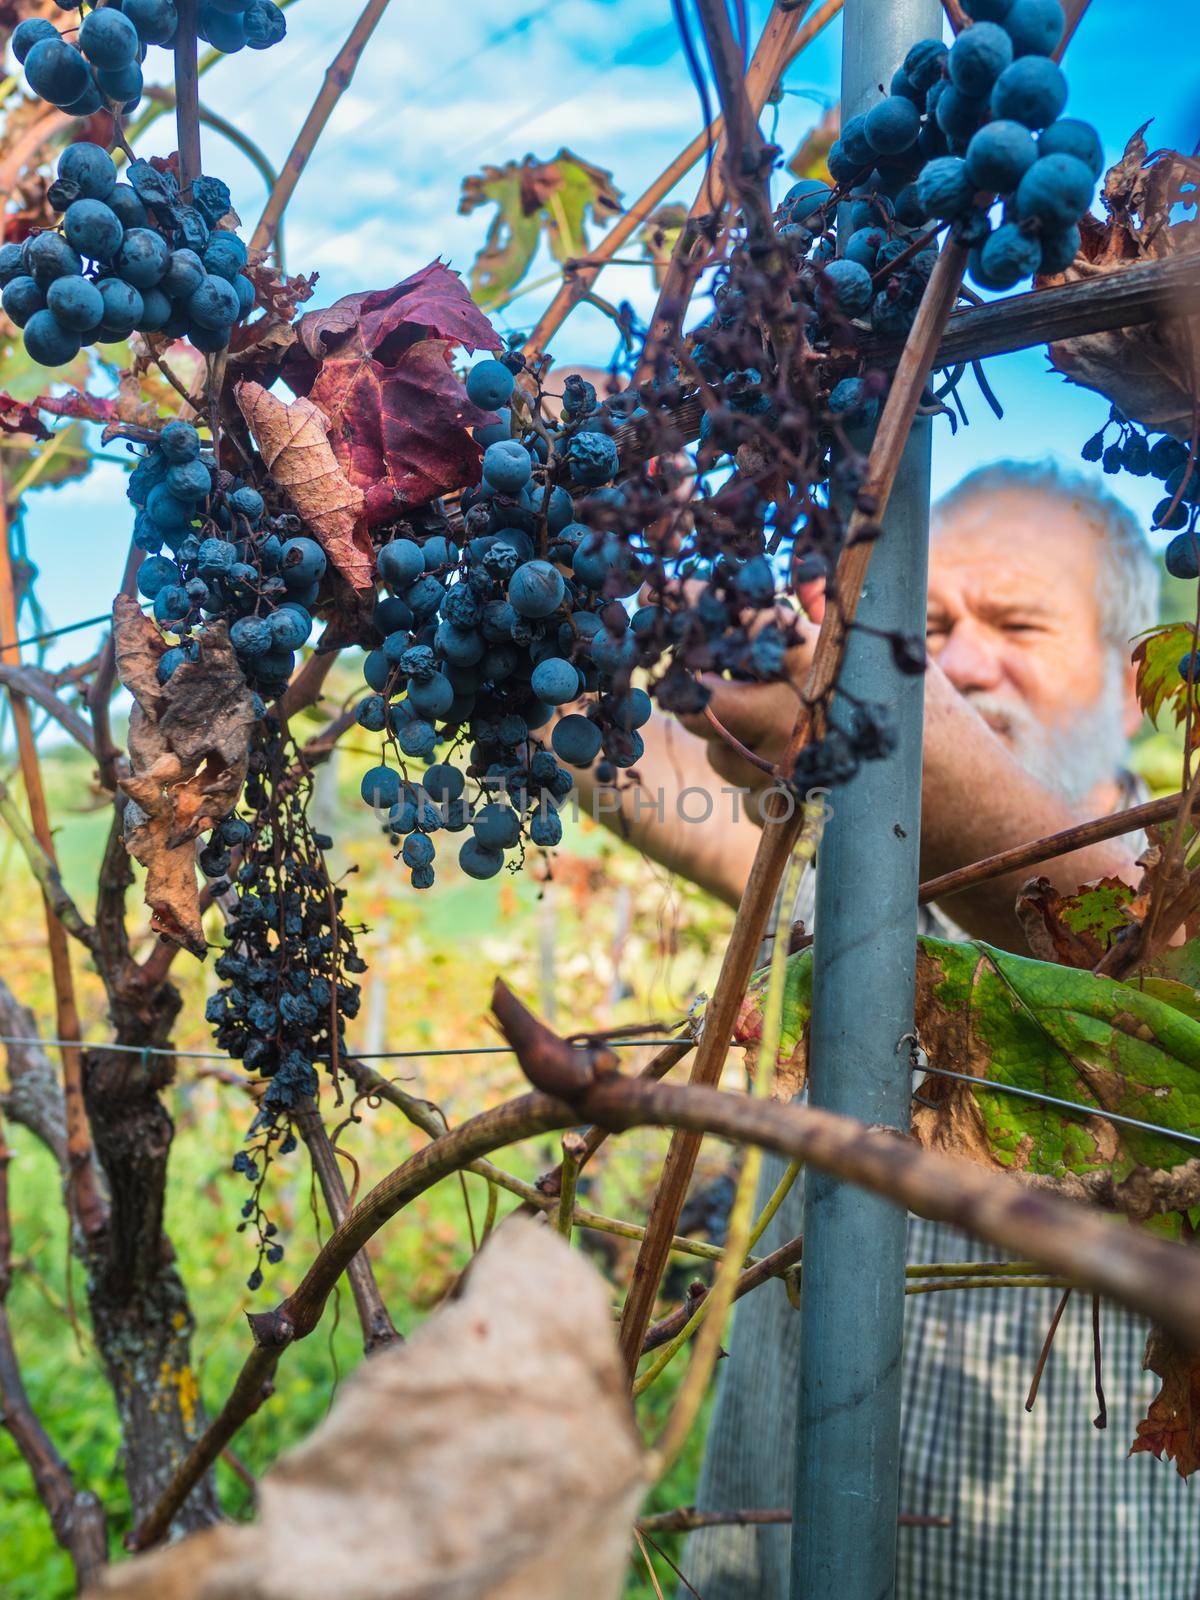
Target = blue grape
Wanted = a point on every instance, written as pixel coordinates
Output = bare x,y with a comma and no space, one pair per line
155,573
506,465
489,385
977,58
380,787
546,828
851,285
48,342
1055,192
108,39
418,850
1182,558
944,189
576,740
91,227
1069,136
805,199
50,257
1034,26
179,441
591,458
122,84
536,589
189,480
265,24
496,825
123,306
555,681
400,563
224,255
302,562
224,31
433,698
1007,256
122,200
1033,91
76,304
21,299
143,257
478,860
183,275
90,169
999,156
444,782
30,32
923,63
214,305
57,72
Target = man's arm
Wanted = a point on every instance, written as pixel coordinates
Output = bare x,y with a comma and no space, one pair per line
715,853
976,800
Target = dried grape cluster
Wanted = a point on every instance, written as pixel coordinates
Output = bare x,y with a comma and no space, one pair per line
286,988
102,65
131,257
228,559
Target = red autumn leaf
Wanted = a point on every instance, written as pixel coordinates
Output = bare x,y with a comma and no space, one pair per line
21,416
1171,1427
379,366
18,417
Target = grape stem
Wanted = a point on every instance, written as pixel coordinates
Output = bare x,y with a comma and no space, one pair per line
187,95
1151,1275
335,83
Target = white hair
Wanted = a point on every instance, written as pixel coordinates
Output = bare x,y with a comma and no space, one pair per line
1129,584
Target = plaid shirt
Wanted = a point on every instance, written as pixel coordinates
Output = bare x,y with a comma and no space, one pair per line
1042,1504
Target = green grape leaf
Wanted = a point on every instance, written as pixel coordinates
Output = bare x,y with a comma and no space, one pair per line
533,198
1120,1047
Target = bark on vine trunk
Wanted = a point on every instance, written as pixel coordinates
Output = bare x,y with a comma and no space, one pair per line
141,1316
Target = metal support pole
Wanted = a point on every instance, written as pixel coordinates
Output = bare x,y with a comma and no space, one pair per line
852,1306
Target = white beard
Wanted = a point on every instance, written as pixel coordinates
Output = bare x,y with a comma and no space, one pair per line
1071,758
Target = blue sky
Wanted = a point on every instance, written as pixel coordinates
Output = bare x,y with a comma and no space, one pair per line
444,89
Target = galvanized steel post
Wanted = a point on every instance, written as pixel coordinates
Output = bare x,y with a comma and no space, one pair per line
852,1306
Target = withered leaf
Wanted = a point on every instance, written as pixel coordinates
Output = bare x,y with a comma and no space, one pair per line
294,443
379,366
1151,371
428,1479
1171,1427
188,742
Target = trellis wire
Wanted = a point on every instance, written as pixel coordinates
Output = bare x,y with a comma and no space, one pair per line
1076,1106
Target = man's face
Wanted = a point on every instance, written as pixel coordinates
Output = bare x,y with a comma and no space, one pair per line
1015,625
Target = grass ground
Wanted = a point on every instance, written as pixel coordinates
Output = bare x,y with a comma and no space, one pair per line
604,942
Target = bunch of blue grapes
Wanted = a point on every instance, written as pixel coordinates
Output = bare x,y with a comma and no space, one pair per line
101,66
959,128
213,552
128,258
286,969
1122,445
480,643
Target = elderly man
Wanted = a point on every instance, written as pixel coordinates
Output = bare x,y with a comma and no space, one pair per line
1038,582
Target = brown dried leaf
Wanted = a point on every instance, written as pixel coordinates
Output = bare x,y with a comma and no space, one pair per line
1152,371
1171,1427
294,443
188,742
493,1457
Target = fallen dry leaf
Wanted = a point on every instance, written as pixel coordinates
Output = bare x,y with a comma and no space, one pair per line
380,367
493,1457
188,741
1171,1427
294,443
